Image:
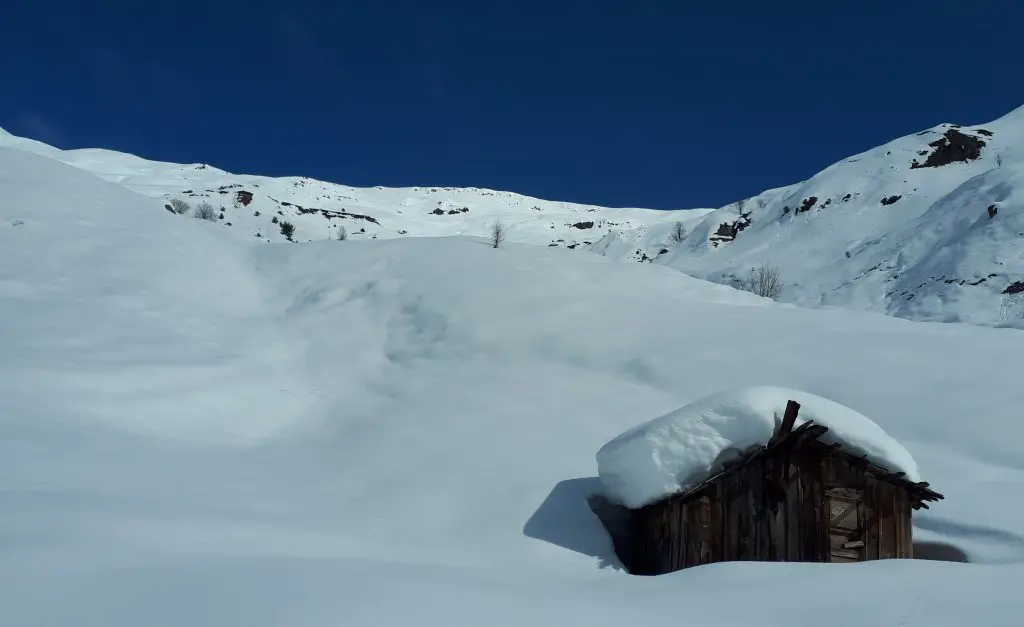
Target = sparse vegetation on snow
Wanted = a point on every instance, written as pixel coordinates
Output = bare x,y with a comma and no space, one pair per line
764,280
179,206
678,233
498,232
205,211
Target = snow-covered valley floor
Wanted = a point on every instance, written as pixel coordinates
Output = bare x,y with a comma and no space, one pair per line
197,430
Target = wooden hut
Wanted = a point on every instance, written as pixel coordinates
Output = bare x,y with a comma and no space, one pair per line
793,499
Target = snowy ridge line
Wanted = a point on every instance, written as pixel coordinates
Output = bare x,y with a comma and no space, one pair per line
255,206
925,227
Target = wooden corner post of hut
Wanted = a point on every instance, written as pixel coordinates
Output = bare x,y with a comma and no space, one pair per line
794,498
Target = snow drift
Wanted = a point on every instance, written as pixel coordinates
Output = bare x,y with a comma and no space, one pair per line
682,448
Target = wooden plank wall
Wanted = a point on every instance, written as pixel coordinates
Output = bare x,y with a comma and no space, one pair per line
743,516
886,508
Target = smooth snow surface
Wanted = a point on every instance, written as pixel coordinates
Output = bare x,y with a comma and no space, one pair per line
682,448
199,429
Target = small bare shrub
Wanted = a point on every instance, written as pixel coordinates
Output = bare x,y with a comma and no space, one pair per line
179,206
765,281
205,211
497,234
342,234
678,233
287,229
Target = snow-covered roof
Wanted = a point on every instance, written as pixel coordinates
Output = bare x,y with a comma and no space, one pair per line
679,450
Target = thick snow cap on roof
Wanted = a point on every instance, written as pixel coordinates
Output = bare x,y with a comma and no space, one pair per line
680,449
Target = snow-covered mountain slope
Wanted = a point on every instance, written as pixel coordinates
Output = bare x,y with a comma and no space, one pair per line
201,429
927,227
256,206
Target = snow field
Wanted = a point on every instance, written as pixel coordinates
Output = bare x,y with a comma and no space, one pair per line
200,430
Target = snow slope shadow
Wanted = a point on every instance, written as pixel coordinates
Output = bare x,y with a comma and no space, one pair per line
977,543
939,552
566,520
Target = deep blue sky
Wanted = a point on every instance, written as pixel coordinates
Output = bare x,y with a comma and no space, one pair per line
674,103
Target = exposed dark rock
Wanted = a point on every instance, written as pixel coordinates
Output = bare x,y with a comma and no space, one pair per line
807,204
964,281
952,147
785,210
438,212
847,197
891,199
727,231
1014,288
244,197
982,131
992,211
171,209
584,225
330,215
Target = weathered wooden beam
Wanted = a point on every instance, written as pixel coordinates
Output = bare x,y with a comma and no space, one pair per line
812,432
788,420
